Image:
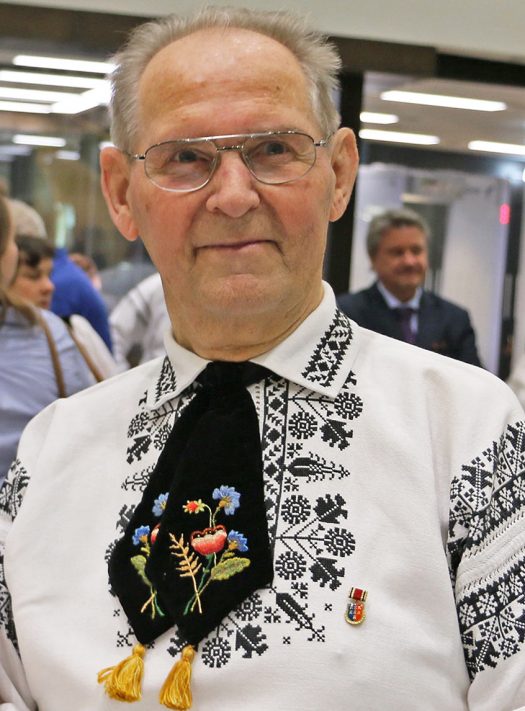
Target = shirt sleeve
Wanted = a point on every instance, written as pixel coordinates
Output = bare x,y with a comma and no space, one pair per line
486,549
14,690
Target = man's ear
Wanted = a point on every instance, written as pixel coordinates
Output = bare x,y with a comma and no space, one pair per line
345,161
114,181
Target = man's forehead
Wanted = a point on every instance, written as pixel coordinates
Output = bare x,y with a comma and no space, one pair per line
211,57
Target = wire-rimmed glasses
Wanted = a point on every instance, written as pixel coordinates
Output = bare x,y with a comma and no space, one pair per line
273,157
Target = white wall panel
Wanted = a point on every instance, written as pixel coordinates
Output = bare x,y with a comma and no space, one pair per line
482,27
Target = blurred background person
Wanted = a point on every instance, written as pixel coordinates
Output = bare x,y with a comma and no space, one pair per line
138,323
33,283
32,280
396,304
87,264
74,292
40,361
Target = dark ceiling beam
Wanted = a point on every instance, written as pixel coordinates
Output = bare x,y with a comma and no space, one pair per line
84,31
361,55
451,66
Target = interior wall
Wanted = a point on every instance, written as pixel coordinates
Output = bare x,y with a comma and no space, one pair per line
484,28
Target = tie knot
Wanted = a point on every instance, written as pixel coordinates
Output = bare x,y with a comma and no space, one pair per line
224,374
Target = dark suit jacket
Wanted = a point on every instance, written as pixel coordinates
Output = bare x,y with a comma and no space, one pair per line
443,327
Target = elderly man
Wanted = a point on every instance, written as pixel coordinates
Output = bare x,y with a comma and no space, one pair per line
396,304
292,512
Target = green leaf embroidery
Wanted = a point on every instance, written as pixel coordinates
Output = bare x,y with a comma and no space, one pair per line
139,563
226,568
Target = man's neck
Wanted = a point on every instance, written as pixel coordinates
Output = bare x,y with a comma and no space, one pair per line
399,296
237,339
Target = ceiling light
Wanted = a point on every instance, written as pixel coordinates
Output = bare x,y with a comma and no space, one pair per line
374,117
8,92
451,102
20,107
26,140
374,134
82,102
73,65
67,155
515,149
15,150
8,75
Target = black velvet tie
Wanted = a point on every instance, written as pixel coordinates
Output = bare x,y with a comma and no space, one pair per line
197,544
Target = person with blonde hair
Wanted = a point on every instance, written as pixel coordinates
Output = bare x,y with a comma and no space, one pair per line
38,360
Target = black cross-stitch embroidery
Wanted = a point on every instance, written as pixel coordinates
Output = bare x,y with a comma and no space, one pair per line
13,490
167,380
216,652
308,533
486,498
11,497
330,352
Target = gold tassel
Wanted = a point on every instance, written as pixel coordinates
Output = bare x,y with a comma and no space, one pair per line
176,691
123,681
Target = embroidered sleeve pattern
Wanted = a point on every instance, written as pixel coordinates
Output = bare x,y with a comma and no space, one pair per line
486,547
11,496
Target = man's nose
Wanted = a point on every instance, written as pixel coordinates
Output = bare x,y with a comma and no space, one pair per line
233,188
410,258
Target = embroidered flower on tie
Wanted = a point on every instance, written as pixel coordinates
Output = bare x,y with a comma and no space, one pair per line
141,535
228,499
145,538
193,506
160,504
200,560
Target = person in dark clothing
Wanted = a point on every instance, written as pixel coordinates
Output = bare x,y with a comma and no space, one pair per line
396,304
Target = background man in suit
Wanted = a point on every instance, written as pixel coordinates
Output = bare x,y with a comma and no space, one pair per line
396,304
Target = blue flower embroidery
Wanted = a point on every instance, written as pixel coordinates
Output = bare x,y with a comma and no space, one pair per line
239,541
229,499
160,504
141,535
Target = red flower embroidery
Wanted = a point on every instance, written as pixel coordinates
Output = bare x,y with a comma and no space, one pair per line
209,541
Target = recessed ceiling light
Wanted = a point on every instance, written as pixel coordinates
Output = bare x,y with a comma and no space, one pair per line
26,140
67,155
20,77
10,150
9,92
451,102
21,107
375,117
73,65
374,134
515,149
82,102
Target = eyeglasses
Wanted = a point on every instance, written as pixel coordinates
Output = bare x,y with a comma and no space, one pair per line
188,164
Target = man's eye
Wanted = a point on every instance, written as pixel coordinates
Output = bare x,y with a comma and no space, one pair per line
274,148
185,156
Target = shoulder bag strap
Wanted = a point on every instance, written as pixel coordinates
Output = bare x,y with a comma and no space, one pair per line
59,375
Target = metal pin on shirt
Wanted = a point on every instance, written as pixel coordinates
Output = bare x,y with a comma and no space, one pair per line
355,608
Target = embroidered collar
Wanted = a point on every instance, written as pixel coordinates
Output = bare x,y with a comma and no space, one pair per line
318,355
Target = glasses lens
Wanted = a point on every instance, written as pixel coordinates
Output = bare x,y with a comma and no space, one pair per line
180,165
279,158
